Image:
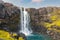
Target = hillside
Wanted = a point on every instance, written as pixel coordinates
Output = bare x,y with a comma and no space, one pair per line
46,20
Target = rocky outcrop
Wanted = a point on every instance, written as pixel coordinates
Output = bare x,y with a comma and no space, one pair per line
37,19
9,16
46,20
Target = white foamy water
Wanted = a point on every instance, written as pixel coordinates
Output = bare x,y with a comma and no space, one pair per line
25,19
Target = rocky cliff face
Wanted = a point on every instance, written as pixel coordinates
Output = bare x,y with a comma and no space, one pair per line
37,19
46,20
9,16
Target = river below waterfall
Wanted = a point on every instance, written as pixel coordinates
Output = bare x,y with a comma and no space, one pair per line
38,37
25,28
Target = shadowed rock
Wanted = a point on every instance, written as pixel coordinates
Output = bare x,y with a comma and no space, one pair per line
9,16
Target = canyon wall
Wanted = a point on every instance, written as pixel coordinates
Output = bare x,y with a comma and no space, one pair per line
9,16
45,20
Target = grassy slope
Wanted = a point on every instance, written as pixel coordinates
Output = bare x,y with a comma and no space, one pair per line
6,36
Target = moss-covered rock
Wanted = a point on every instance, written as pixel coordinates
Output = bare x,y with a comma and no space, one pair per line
46,20
8,36
44,15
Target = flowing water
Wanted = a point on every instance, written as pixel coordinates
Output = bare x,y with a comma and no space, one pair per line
25,28
25,19
38,37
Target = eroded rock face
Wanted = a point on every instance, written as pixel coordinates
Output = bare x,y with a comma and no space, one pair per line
9,16
46,20
37,19
41,16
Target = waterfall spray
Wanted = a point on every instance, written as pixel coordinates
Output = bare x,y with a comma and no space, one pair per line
25,19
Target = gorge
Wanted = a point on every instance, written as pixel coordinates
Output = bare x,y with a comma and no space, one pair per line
26,29
40,22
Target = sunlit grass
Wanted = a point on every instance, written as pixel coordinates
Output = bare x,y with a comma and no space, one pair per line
6,36
55,21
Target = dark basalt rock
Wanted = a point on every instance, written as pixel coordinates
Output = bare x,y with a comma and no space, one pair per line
42,15
9,16
37,20
39,17
20,35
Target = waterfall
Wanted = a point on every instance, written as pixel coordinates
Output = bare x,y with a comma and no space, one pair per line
25,19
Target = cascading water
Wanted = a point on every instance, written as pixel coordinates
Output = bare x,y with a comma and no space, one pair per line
25,19
25,29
